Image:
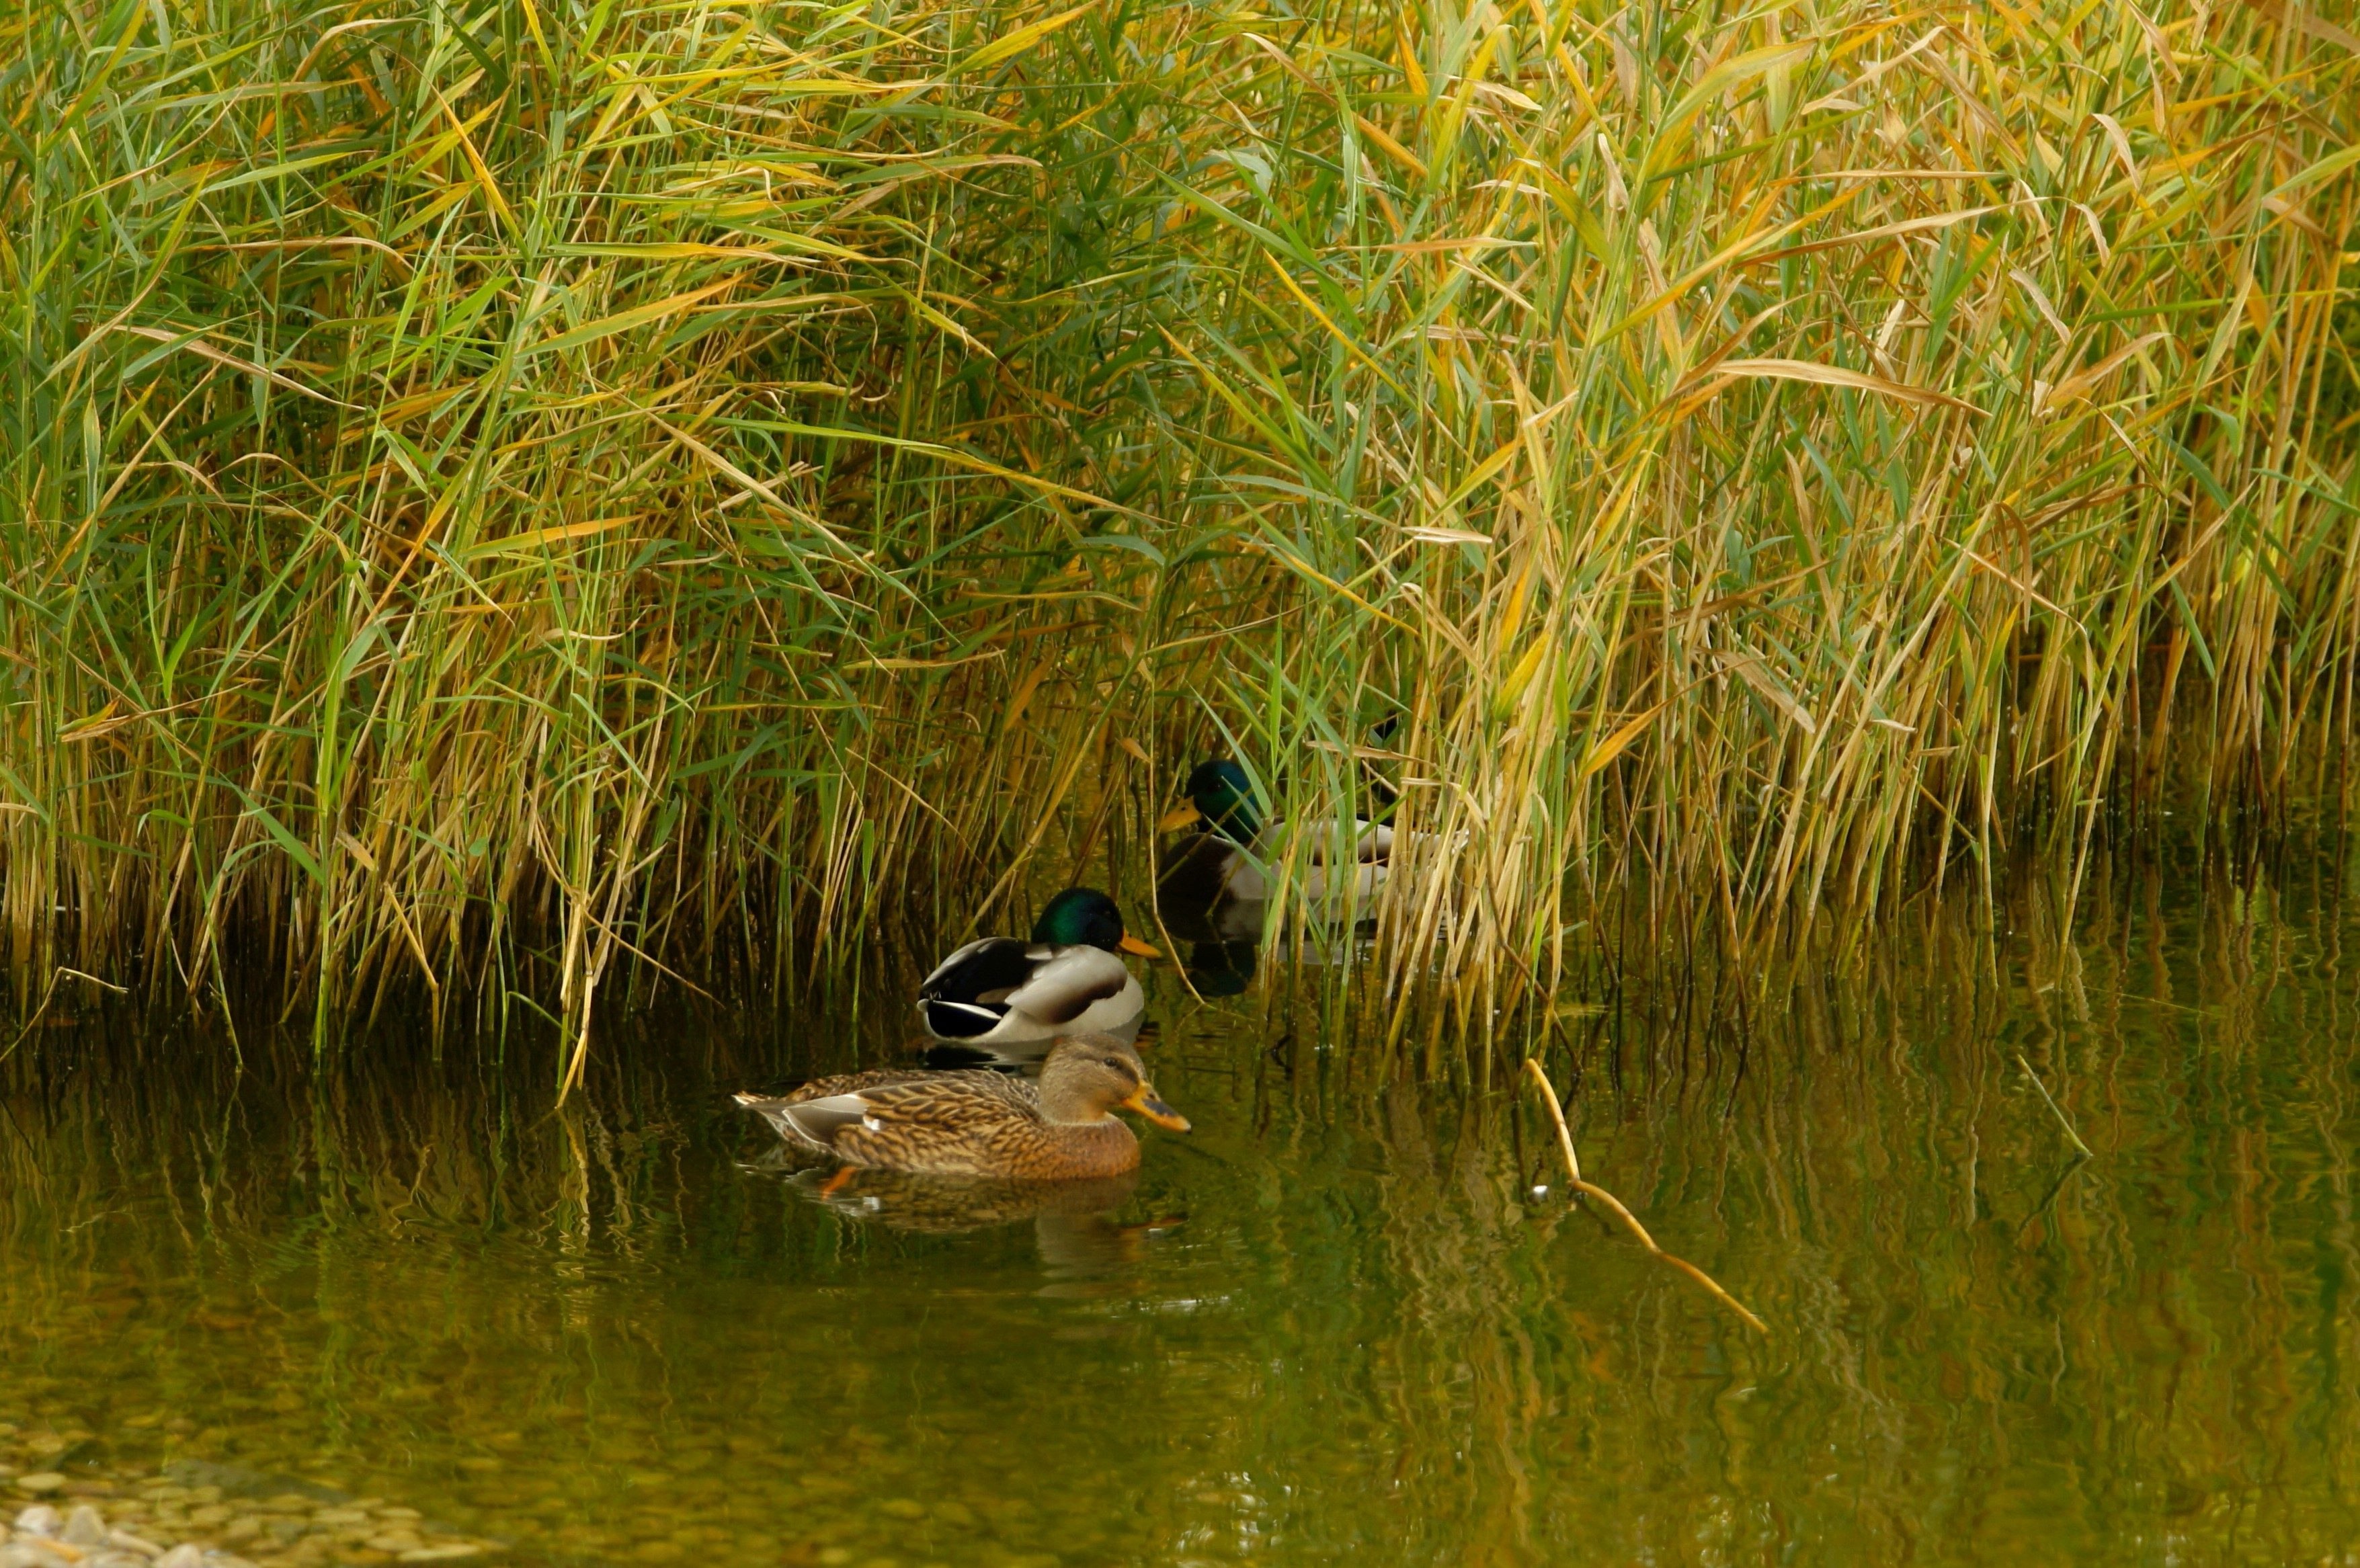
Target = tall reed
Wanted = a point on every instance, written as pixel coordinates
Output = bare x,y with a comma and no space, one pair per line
506,499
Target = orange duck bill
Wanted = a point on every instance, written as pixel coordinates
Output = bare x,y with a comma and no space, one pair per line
1148,1104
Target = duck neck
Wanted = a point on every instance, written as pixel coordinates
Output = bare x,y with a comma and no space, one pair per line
1230,815
1068,1104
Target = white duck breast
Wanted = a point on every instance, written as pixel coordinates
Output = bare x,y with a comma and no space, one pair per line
1000,990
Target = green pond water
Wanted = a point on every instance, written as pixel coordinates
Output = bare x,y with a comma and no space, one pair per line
1336,1323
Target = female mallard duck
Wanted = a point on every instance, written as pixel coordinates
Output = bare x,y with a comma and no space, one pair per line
1011,998
1227,854
977,1122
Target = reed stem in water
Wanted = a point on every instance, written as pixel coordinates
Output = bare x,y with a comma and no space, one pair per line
1615,1205
2054,1110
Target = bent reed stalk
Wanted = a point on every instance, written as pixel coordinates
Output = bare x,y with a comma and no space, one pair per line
1615,1205
507,496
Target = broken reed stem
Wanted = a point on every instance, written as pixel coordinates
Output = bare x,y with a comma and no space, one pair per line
2072,1137
1565,1137
1590,1189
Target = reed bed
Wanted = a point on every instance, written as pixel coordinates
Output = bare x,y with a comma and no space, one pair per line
514,500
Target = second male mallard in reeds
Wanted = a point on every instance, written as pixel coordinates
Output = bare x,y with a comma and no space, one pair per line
1229,854
978,1122
1011,997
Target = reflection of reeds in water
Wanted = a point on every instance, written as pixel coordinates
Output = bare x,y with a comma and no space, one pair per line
1368,1337
1983,1348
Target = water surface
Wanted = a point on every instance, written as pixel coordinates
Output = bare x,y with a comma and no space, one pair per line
1336,1321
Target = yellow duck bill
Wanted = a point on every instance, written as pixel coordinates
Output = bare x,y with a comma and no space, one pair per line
1148,1104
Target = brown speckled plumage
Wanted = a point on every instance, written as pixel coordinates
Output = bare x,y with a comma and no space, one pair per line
981,1123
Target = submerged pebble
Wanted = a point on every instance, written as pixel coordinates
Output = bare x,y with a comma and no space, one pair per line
151,1521
105,1490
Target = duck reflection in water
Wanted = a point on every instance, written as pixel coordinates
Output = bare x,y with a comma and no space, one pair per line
1223,940
1073,1227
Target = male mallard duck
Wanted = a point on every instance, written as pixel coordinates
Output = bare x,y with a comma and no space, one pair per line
1013,997
977,1122
1226,856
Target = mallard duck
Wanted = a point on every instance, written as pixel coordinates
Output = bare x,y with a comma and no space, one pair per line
1010,999
978,1122
1227,855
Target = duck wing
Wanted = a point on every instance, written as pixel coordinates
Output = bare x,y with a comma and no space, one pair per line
994,963
810,1115
1062,987
964,1099
1372,843
777,1112
968,992
929,1110
1248,877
